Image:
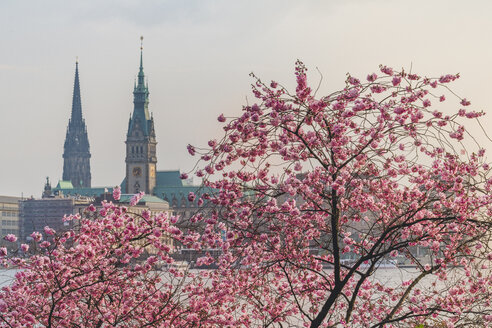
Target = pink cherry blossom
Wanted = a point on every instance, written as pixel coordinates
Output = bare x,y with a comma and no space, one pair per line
117,193
36,236
191,150
10,237
49,231
396,81
136,198
372,77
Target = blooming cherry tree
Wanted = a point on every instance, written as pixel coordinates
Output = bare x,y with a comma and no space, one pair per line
315,194
106,274
307,198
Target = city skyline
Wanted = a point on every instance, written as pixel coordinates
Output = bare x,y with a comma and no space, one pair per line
197,58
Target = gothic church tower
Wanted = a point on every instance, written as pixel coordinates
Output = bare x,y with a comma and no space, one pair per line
140,141
76,155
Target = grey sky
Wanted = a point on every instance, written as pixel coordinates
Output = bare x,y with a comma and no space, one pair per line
197,57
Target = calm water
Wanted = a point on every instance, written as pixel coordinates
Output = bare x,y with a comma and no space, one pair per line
388,277
6,277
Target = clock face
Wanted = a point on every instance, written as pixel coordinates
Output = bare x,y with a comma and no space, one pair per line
137,171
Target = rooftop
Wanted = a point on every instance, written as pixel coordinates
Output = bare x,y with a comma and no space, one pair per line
67,188
10,199
125,198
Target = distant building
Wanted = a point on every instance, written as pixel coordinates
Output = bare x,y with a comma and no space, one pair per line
35,214
9,215
154,205
170,188
65,188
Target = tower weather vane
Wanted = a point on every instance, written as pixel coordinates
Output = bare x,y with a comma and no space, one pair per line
141,42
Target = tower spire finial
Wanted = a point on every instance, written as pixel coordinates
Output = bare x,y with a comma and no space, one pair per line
141,53
141,72
76,105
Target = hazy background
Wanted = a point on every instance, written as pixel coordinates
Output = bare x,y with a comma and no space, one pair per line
197,57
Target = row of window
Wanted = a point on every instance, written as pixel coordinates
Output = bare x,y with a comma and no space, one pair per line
137,149
9,222
10,214
44,212
9,206
12,231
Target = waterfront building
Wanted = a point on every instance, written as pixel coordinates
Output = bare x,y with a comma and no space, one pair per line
9,216
152,204
35,214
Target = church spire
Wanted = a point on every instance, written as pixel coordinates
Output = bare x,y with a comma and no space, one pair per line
76,103
140,115
76,154
141,57
141,76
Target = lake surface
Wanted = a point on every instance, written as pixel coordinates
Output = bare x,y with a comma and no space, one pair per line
387,276
7,276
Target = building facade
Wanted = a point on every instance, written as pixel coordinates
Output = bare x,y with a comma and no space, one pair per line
35,214
9,215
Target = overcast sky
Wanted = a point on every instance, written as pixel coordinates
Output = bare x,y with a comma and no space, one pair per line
197,57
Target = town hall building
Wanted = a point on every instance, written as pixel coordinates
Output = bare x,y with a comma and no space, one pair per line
141,159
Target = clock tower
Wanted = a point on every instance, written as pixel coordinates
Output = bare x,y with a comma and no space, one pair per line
140,141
